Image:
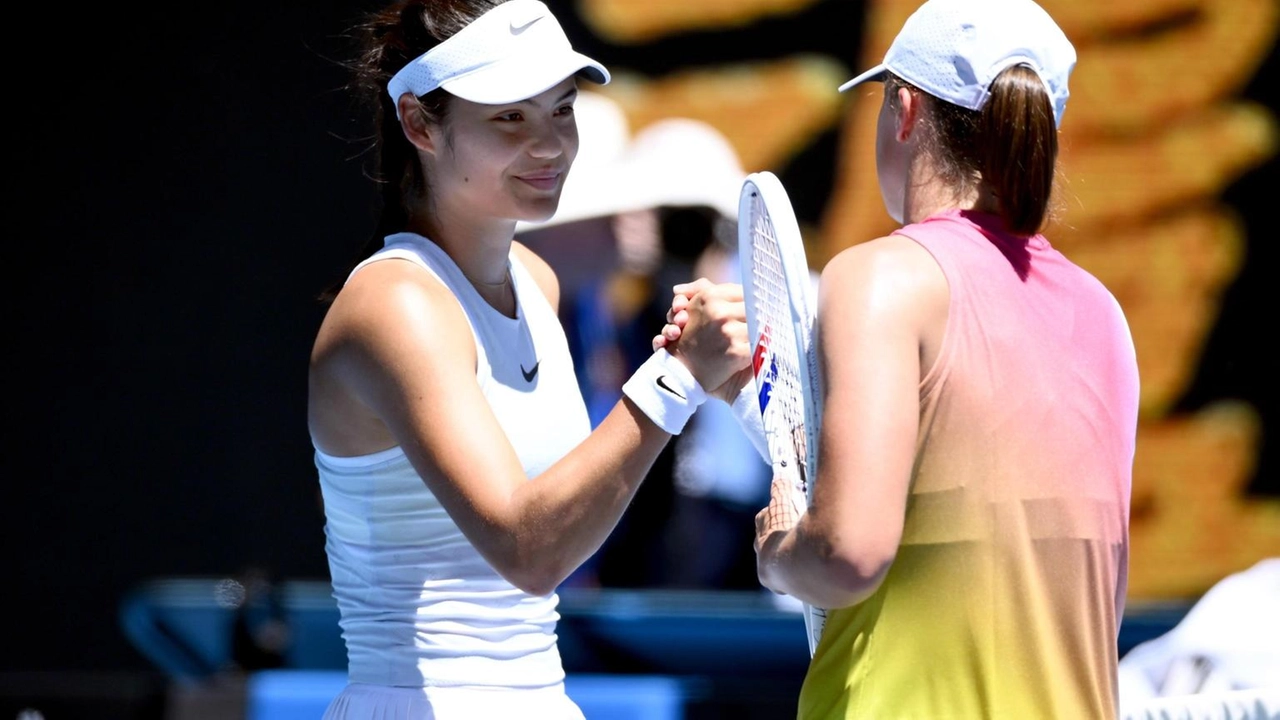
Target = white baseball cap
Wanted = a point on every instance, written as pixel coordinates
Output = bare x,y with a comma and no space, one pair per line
509,54
954,49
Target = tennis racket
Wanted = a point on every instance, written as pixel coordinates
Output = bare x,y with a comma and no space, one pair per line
778,289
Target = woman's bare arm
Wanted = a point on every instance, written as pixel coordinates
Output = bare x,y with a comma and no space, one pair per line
876,302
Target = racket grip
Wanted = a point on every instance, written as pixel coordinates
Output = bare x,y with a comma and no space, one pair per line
791,490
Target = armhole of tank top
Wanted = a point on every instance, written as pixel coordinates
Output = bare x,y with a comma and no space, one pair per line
359,461
1119,310
933,379
396,254
527,288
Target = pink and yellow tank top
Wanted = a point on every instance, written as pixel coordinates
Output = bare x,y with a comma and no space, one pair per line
1005,597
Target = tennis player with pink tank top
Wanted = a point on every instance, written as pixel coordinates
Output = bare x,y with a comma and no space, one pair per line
969,527
1006,591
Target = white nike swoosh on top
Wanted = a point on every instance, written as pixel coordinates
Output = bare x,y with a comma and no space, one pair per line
517,29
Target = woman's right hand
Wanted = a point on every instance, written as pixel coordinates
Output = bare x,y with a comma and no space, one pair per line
712,337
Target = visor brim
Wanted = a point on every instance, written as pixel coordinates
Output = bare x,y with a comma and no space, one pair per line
875,74
519,78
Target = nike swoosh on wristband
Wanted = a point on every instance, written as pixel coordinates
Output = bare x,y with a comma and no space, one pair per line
529,375
517,29
668,388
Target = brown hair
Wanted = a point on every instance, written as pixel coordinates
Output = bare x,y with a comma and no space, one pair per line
1010,145
389,38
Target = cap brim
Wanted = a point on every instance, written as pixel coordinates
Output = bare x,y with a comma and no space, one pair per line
875,74
516,78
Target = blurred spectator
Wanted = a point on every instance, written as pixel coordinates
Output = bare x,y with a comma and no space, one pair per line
1228,642
660,212
260,633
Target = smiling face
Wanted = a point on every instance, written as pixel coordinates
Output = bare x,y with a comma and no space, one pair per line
504,161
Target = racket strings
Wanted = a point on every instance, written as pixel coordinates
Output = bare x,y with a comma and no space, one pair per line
784,417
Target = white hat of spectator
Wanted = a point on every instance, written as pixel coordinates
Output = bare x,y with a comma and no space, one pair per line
682,162
672,162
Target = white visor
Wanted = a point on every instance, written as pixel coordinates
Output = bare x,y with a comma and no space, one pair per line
511,53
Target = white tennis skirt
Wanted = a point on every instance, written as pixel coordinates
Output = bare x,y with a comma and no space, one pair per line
360,701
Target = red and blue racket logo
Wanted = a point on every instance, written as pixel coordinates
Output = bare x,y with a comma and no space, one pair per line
764,383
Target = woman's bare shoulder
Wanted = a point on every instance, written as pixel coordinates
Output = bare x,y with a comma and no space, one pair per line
890,261
389,307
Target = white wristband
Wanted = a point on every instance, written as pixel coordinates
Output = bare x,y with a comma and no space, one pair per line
746,409
665,390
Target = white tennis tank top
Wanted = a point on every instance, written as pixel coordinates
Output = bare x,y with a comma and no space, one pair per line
419,606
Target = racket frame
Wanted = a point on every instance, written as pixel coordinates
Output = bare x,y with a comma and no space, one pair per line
765,189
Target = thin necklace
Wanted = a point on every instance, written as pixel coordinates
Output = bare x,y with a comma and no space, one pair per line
506,280
482,286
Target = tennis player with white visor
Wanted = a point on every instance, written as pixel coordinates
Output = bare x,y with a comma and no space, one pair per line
462,482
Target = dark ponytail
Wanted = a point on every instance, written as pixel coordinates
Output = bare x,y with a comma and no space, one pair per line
388,39
1018,148
1011,146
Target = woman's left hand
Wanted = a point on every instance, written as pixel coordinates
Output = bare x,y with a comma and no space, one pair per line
678,314
773,523
708,300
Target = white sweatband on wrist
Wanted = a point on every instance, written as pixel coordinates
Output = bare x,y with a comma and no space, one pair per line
746,409
665,390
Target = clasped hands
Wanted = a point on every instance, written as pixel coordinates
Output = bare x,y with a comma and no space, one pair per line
706,329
